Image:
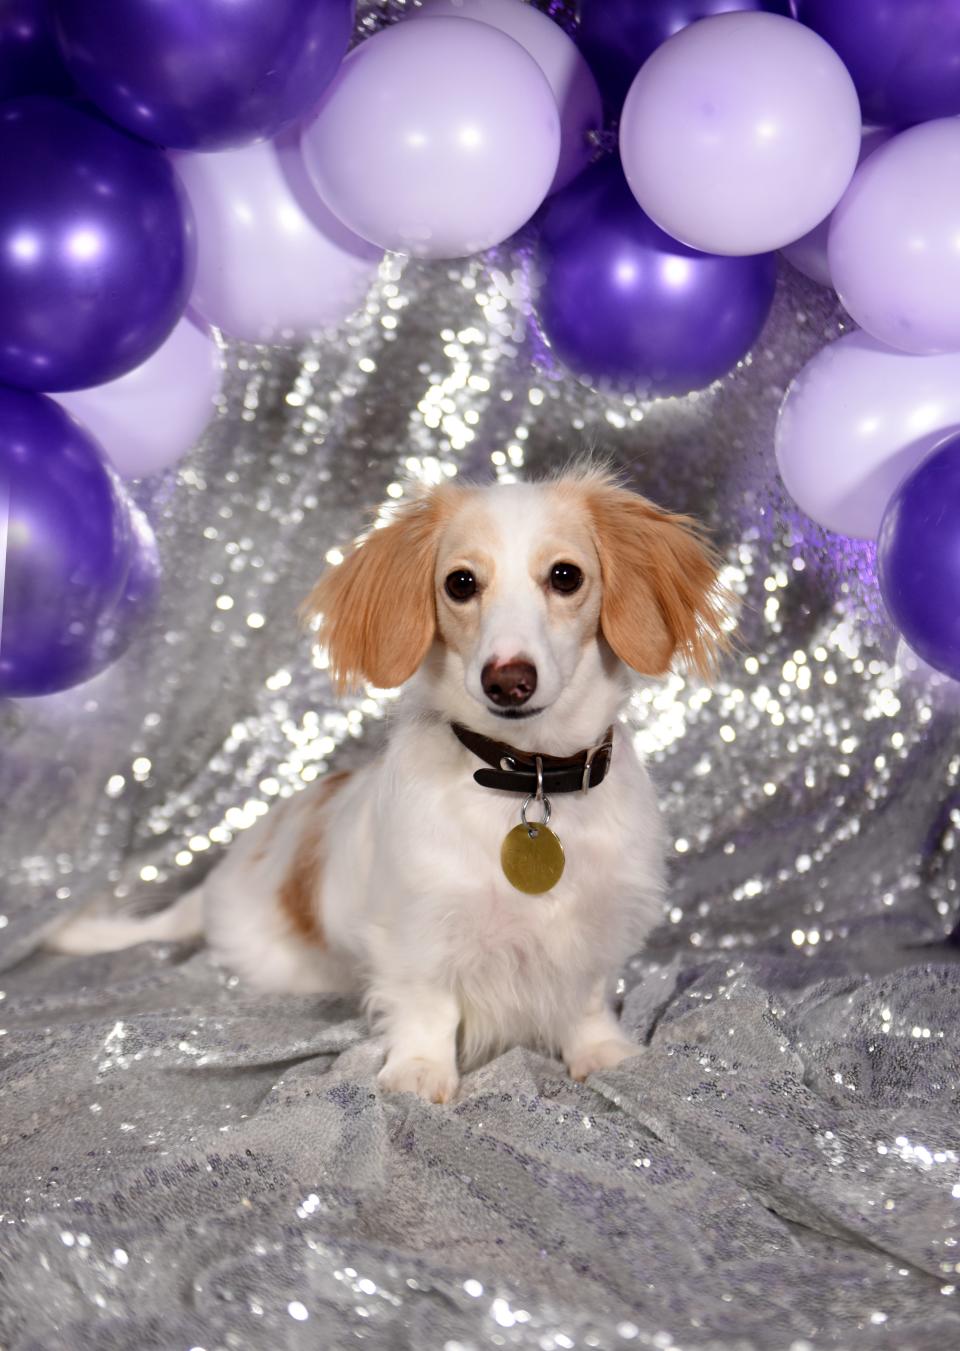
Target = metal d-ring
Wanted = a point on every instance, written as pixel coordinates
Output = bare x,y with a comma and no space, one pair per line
545,804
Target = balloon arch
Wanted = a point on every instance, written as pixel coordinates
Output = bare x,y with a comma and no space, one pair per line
169,171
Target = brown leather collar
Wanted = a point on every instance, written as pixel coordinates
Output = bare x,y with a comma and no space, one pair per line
515,771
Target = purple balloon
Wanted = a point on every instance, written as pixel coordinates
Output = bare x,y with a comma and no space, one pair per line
617,36
29,56
740,133
68,542
809,253
274,265
96,247
893,241
621,301
918,553
203,74
437,138
574,88
902,54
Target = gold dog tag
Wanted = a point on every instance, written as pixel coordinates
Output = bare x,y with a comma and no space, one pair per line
531,857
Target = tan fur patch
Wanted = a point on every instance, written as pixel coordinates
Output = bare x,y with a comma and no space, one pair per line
660,592
298,890
377,608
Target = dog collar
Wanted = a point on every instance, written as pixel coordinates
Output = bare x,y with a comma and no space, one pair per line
529,772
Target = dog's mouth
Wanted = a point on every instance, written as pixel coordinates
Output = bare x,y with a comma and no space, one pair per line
514,712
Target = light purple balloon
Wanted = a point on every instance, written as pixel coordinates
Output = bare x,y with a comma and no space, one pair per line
855,422
437,138
740,133
809,254
572,82
274,265
893,247
154,414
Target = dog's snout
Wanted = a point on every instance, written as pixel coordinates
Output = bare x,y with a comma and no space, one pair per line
510,683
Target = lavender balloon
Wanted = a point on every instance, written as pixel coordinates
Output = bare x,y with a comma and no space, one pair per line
623,302
437,138
893,241
96,247
203,74
29,57
740,133
902,54
154,414
68,542
274,265
918,554
617,36
809,254
857,419
574,87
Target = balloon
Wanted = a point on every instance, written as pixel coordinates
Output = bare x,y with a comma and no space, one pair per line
918,554
152,415
96,251
893,241
203,74
68,541
29,57
574,88
273,263
809,254
902,54
740,133
437,138
622,301
617,36
857,419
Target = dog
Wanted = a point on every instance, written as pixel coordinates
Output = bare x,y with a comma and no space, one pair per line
515,617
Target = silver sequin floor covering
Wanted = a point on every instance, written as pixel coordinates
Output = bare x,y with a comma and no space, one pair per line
187,1164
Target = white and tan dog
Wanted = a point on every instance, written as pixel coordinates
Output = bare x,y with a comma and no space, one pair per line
518,612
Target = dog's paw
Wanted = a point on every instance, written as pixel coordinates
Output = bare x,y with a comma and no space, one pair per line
600,1055
430,1079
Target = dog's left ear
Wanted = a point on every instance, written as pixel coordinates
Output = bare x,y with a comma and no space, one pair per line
661,596
376,609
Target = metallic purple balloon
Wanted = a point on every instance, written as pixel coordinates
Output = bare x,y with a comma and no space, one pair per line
96,247
903,54
623,302
204,74
68,544
30,60
918,554
617,36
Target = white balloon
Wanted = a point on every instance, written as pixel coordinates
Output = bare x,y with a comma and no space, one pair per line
155,413
274,265
855,422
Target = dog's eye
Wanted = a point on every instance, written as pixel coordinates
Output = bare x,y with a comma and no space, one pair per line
565,577
460,585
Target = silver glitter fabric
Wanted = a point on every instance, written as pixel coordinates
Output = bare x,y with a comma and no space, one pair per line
187,1164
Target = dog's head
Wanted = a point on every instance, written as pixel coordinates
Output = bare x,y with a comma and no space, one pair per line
516,593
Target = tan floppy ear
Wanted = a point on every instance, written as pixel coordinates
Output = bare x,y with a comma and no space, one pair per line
377,609
661,597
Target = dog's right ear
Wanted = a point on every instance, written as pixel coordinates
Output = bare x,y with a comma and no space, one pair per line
376,609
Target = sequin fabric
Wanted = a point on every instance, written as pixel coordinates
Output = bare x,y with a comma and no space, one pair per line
187,1164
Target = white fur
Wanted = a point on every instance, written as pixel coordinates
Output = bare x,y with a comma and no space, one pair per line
454,964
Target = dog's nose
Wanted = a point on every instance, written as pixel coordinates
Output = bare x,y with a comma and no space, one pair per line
510,683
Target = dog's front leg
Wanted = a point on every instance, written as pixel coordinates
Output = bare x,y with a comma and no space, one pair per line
594,1041
420,1022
